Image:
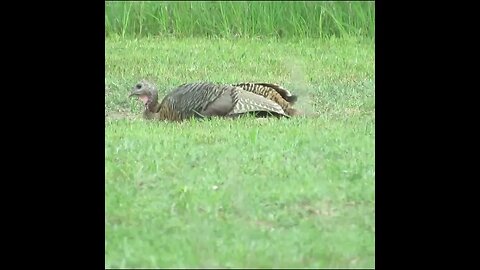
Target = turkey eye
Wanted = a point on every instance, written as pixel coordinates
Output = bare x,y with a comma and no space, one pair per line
138,86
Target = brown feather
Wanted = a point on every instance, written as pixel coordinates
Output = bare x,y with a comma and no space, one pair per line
273,92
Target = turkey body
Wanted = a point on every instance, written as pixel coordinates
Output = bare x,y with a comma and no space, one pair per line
204,100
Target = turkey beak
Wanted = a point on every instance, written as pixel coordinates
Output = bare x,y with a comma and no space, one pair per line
134,93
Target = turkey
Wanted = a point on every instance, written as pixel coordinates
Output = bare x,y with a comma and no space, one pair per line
203,100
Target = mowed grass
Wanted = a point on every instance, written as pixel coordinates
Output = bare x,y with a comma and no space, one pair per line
245,193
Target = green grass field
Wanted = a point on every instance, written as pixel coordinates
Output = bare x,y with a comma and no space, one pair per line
244,193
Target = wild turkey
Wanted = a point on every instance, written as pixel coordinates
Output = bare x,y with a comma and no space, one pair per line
208,99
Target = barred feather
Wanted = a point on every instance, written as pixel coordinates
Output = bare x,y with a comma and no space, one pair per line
265,88
273,92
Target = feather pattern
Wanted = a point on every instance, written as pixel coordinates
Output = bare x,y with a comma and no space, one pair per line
274,92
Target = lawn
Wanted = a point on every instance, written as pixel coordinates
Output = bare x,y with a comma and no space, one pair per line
296,192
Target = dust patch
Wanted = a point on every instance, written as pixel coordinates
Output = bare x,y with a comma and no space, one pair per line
300,86
119,116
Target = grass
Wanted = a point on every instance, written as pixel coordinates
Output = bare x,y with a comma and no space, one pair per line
277,193
299,19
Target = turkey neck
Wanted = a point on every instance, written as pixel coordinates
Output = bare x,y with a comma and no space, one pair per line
153,107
